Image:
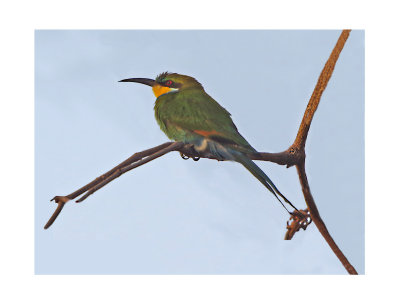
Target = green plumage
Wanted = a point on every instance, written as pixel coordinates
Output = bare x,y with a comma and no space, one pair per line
186,113
190,109
179,114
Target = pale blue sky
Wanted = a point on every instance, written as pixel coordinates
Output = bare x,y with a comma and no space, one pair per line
183,217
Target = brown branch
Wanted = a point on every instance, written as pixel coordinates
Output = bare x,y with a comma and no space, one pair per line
288,157
61,200
300,219
319,223
135,157
135,161
295,155
299,148
323,80
118,172
60,205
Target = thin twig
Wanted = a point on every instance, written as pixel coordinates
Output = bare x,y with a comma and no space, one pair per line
61,200
138,159
322,82
288,158
319,223
301,219
172,147
135,157
60,206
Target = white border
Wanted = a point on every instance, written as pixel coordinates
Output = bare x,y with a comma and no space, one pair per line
19,284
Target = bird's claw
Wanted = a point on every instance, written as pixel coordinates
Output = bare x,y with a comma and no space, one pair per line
184,156
195,158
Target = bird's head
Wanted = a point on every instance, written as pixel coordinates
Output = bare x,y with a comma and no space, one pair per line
167,82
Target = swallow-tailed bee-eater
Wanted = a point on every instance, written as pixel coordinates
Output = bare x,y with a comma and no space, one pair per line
186,113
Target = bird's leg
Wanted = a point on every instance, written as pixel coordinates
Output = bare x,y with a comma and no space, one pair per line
190,152
62,200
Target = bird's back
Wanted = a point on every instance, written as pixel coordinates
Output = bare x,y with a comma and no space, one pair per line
191,113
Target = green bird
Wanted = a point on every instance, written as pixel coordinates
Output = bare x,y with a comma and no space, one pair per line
186,113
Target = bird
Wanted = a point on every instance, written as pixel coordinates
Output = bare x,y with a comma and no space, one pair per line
186,113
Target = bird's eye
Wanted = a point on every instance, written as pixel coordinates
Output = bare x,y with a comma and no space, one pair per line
168,83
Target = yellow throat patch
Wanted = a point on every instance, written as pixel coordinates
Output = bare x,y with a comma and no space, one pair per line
159,90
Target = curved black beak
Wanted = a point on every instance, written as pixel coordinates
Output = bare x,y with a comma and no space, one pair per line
144,81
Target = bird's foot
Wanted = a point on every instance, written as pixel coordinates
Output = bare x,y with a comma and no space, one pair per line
184,156
195,158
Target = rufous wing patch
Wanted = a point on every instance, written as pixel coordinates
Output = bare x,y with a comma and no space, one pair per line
206,133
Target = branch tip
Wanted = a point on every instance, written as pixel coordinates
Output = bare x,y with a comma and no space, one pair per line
300,219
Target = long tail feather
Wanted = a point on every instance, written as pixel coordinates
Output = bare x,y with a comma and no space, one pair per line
261,176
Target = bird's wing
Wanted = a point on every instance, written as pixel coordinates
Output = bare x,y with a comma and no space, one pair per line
201,114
